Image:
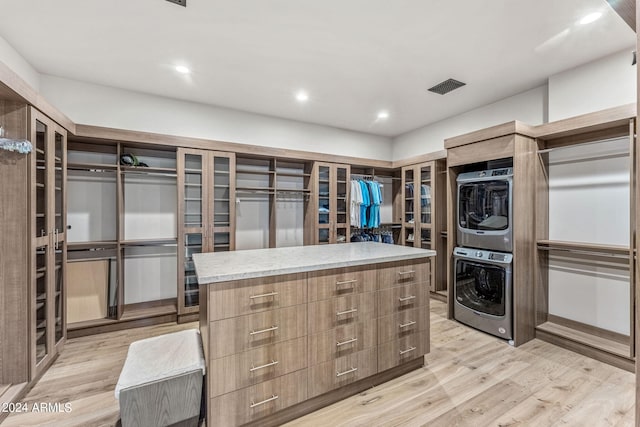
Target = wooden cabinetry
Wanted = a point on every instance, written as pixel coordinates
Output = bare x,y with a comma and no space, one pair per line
33,249
48,237
424,215
327,219
206,215
277,341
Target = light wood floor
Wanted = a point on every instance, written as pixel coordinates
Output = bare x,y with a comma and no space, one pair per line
470,379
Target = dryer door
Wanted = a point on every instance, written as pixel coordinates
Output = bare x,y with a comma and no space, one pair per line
481,287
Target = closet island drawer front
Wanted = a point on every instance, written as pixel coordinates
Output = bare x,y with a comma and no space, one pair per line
403,273
336,373
402,298
240,297
399,325
260,400
231,336
242,370
403,350
338,282
335,312
342,341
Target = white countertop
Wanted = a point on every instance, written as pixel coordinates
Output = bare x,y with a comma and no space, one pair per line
236,265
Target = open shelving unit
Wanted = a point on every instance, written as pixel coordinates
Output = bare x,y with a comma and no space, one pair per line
585,250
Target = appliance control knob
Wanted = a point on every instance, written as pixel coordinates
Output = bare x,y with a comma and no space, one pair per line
479,254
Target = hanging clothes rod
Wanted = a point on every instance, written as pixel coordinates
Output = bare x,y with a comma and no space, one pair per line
585,252
582,144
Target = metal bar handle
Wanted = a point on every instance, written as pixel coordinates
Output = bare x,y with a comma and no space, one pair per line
405,325
339,374
402,273
256,368
271,399
407,350
349,341
262,331
346,282
340,313
270,294
403,299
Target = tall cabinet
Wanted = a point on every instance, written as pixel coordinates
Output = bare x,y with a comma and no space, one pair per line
206,215
48,237
327,218
32,248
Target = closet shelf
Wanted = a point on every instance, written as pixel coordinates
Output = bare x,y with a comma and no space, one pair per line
255,189
580,337
150,242
90,245
293,174
131,313
169,172
593,248
91,167
254,172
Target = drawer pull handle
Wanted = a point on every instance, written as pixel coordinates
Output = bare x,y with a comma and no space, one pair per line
256,368
405,325
271,399
341,313
262,331
409,298
346,282
339,374
402,273
407,350
270,294
341,343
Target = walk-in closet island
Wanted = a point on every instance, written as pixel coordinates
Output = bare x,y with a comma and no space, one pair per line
289,330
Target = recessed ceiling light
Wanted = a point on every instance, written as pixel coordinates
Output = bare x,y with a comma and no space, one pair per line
383,115
302,96
182,69
588,19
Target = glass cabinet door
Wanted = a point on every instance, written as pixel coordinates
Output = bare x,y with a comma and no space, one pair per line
425,195
342,175
326,209
411,194
192,194
58,297
192,245
222,213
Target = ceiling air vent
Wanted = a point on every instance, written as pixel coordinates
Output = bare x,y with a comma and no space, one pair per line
180,2
446,86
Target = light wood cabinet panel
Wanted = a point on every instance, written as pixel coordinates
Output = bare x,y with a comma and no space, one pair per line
258,401
403,273
402,350
242,370
342,341
402,298
235,335
399,325
240,297
342,371
335,312
340,282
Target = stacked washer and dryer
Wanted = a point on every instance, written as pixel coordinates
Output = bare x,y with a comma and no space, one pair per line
483,259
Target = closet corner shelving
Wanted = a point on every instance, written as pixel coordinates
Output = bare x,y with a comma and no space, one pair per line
585,293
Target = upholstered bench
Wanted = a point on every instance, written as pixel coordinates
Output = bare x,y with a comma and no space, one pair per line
161,381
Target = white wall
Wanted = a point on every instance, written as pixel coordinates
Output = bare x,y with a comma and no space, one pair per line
528,107
12,59
91,104
608,82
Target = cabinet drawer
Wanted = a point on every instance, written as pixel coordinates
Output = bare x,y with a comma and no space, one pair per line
240,297
242,370
231,336
342,341
331,313
403,273
339,372
403,350
396,326
341,281
258,401
402,298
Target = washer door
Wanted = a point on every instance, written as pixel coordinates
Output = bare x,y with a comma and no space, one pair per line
481,287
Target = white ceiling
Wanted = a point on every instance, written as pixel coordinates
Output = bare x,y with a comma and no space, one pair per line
354,57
